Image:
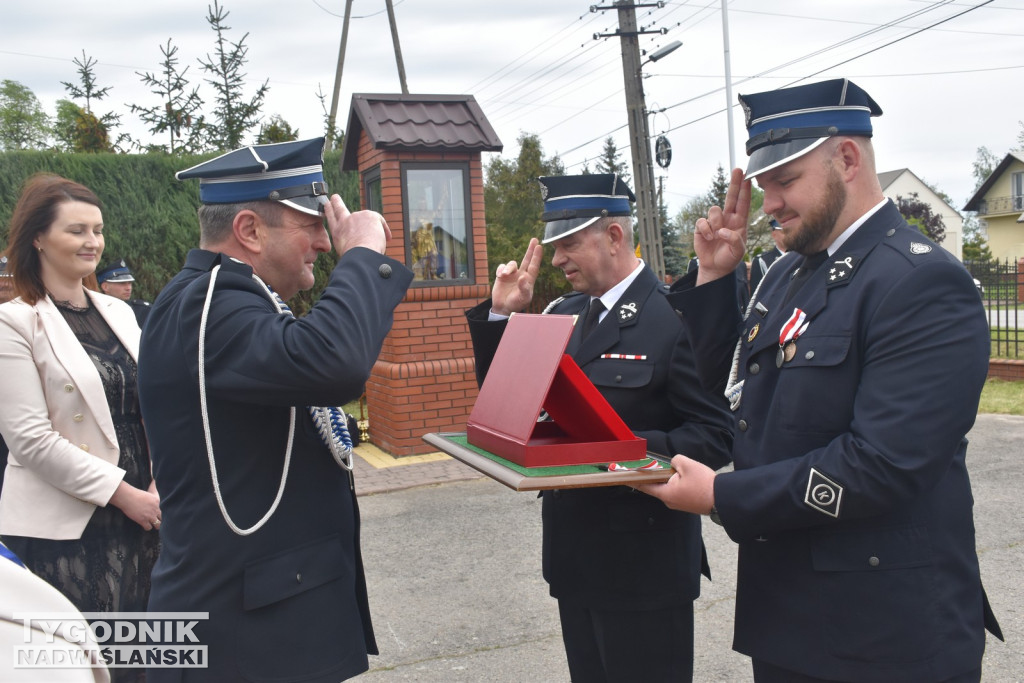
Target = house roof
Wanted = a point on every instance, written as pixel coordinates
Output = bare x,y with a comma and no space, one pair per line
973,204
887,178
417,123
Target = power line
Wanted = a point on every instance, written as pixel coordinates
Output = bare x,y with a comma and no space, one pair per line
803,78
890,24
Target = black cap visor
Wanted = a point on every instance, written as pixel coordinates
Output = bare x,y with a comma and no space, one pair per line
313,205
556,230
772,156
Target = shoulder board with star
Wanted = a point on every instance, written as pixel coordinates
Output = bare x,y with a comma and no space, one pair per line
839,268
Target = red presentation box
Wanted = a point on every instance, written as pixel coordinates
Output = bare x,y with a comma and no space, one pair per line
531,373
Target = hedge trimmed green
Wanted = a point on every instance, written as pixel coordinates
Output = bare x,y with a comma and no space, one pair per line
149,217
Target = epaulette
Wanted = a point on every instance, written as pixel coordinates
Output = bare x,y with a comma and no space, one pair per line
913,246
564,297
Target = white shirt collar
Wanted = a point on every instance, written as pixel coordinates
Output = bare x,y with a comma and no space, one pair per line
839,241
612,296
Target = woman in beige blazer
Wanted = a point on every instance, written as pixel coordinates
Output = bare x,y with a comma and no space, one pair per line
78,505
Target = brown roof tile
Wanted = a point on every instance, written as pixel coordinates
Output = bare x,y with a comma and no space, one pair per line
417,123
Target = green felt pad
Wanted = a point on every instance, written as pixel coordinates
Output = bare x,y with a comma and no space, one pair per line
462,440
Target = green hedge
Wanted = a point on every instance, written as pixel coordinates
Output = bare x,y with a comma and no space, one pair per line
149,217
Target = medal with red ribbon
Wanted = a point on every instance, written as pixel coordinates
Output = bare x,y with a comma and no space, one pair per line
653,465
794,327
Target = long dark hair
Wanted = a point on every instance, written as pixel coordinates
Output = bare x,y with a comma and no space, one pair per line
33,215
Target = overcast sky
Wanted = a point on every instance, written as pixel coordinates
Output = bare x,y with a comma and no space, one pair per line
948,84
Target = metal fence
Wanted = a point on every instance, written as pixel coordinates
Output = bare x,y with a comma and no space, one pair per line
1002,292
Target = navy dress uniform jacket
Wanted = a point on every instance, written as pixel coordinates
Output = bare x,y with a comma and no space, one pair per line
850,500
613,547
287,602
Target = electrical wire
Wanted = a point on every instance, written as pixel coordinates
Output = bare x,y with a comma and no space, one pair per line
891,24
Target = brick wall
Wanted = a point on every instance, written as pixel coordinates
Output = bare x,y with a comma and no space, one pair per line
1001,368
425,378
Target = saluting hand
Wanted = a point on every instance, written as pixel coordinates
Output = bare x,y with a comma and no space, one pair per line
513,285
720,240
360,229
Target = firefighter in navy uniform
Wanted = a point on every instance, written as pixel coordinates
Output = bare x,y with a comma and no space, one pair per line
116,280
760,265
260,520
624,568
854,379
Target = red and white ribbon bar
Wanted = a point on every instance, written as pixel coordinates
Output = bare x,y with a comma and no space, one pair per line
653,465
623,356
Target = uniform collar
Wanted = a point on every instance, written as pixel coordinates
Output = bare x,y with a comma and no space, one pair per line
838,242
612,296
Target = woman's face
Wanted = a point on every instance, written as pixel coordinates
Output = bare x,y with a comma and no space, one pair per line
72,246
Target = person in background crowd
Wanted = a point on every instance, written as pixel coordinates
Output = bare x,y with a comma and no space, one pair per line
79,505
624,568
742,285
6,283
116,280
261,523
850,499
765,259
6,294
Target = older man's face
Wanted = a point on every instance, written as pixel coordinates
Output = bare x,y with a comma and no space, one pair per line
587,259
290,250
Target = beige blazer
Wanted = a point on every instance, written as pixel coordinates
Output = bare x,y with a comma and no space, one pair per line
55,420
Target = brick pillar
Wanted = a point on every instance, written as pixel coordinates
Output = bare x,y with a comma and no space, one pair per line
425,378
1020,280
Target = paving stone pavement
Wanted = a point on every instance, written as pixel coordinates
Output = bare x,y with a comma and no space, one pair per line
380,472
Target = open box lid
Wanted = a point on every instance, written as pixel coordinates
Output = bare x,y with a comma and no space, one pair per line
529,373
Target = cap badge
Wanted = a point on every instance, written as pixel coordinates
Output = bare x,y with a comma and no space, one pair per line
919,248
627,312
753,332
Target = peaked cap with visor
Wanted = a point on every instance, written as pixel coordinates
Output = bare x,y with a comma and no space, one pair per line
115,272
785,124
573,202
291,173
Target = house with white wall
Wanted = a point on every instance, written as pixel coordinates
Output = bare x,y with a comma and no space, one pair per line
903,182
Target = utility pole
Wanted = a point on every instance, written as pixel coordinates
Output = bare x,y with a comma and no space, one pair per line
398,47
639,135
728,84
337,77
332,118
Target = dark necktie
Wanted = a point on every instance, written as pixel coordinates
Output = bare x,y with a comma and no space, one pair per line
808,267
593,313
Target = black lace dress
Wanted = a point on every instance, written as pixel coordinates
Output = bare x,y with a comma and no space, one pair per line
108,569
